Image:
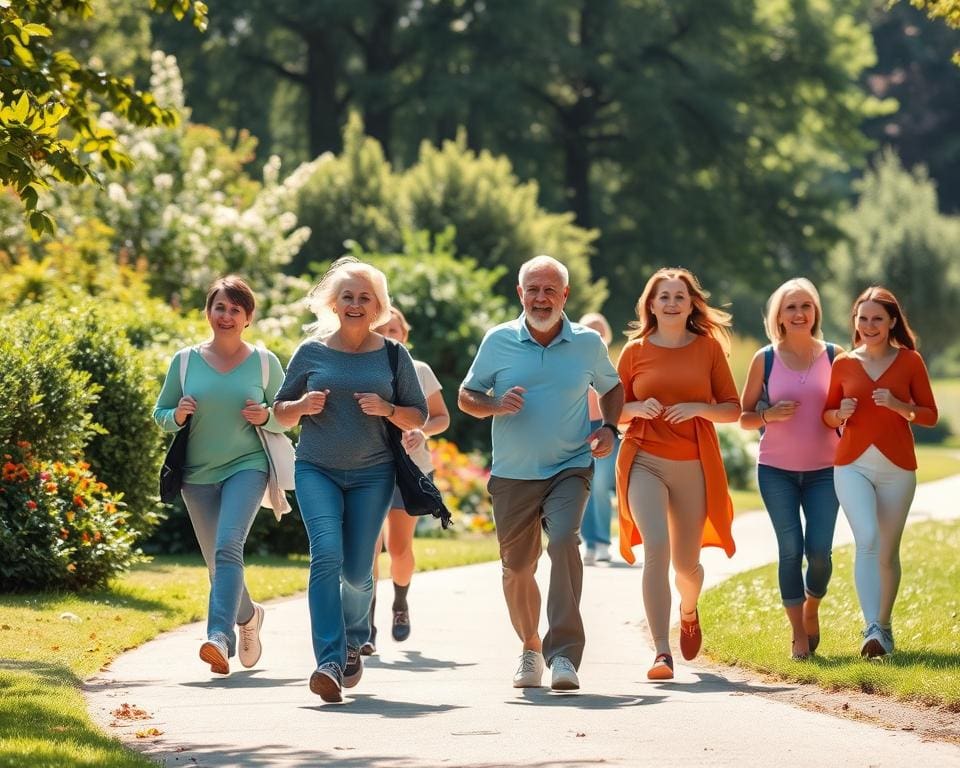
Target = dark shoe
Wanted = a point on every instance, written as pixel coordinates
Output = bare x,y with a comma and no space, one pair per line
401,625
690,637
370,647
353,671
662,668
326,682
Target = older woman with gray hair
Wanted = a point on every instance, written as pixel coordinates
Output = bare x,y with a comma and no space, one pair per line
339,387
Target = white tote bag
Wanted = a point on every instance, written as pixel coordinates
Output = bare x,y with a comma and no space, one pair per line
280,456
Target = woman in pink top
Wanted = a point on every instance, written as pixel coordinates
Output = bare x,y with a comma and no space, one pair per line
795,466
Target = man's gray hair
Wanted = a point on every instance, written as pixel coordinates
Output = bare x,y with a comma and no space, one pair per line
545,261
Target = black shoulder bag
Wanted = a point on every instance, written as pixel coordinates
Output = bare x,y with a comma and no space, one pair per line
420,495
171,473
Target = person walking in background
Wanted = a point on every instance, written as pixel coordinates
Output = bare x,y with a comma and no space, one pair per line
338,387
399,527
877,391
783,397
671,484
226,469
595,529
532,376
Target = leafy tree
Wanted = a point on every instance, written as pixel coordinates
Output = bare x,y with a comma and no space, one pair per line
897,237
913,66
50,101
946,10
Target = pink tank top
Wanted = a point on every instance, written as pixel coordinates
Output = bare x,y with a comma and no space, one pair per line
802,443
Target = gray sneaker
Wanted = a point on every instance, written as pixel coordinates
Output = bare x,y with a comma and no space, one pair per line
326,682
564,674
530,671
886,639
873,642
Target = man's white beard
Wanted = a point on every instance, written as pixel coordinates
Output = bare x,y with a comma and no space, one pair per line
544,325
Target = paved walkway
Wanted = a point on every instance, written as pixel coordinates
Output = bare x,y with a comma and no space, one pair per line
444,697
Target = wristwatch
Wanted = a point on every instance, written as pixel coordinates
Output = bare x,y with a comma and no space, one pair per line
613,428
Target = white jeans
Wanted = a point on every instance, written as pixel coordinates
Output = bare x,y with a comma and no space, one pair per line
876,495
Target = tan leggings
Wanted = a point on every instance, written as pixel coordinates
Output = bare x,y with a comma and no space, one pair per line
669,504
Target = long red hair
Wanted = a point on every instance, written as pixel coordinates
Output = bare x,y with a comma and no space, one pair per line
704,320
901,332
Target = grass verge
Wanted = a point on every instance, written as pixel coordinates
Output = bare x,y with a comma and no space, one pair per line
49,643
748,628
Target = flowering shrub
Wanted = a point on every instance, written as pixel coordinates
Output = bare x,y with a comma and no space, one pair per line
59,526
462,479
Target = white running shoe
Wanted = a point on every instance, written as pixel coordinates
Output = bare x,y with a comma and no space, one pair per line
564,674
530,671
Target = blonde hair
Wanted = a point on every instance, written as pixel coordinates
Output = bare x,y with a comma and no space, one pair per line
771,315
595,318
395,312
704,320
323,295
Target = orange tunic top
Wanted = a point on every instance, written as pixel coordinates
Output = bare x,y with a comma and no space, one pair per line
697,372
873,424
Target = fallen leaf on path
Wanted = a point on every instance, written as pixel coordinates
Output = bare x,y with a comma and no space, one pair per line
149,733
130,712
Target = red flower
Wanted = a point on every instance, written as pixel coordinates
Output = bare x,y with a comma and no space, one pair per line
31,504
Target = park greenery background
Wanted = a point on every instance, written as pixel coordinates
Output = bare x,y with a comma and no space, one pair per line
144,153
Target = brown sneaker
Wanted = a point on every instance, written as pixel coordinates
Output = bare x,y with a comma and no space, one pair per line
662,668
214,652
690,637
326,682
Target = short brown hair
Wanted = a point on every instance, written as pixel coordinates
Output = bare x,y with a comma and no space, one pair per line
237,291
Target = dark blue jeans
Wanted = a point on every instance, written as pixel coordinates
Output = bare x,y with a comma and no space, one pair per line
784,493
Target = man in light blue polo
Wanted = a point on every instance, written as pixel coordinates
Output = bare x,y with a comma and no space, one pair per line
532,375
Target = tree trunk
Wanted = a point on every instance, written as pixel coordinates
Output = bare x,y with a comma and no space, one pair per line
324,110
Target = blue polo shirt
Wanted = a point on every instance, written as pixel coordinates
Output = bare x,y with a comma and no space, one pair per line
549,433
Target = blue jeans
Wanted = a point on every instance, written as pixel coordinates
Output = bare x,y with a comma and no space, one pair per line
343,511
222,515
595,528
784,492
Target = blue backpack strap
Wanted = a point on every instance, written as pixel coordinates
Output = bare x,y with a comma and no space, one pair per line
831,351
393,355
767,364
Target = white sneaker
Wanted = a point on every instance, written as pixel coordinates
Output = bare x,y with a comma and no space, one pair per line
249,649
530,671
564,674
589,556
873,642
603,553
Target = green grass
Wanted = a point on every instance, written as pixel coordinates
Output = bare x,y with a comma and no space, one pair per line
44,659
746,625
947,394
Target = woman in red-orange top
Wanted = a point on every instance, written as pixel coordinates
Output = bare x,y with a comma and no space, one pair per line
876,391
671,484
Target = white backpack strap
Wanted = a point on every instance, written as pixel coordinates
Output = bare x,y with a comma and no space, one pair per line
264,366
184,355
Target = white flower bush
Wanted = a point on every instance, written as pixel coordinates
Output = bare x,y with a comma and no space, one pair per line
187,209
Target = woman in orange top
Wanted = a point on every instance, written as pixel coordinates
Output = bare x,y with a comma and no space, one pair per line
671,484
876,391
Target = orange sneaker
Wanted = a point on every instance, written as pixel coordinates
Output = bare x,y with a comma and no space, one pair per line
690,637
662,668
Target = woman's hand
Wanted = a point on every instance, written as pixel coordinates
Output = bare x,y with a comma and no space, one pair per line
413,440
312,403
680,412
883,397
782,410
255,413
186,407
650,408
847,406
373,405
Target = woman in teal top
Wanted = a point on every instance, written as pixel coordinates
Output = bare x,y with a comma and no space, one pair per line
226,469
